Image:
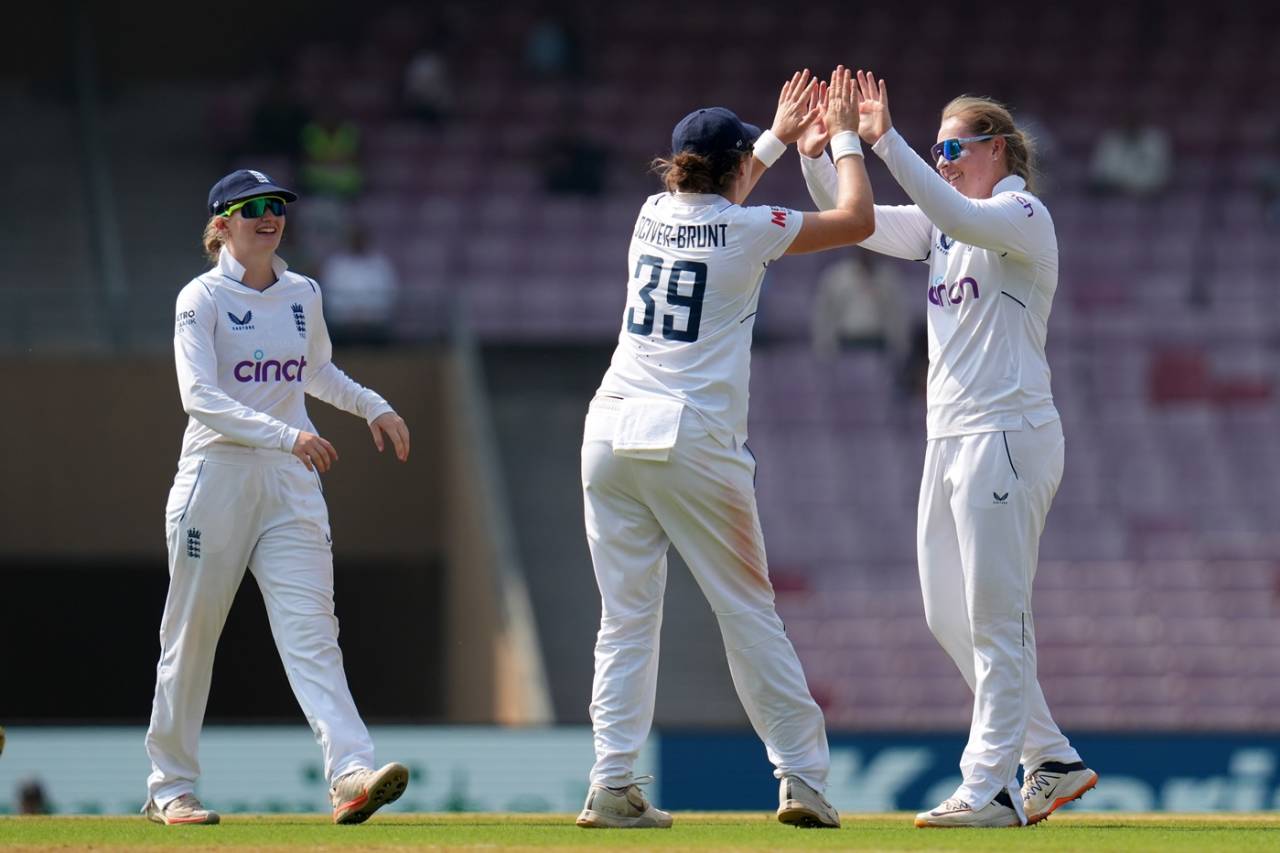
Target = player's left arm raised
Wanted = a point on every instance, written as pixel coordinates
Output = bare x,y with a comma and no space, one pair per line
797,109
1006,222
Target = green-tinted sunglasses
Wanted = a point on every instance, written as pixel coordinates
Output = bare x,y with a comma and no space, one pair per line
252,208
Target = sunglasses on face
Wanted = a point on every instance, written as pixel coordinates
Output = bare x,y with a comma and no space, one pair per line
953,149
253,208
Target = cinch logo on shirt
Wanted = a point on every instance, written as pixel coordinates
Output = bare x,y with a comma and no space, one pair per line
942,294
270,370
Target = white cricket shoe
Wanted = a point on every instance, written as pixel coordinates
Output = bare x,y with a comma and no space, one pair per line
800,805
183,809
1052,785
956,813
357,795
621,808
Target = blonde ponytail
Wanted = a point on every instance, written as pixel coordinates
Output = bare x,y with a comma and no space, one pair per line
214,239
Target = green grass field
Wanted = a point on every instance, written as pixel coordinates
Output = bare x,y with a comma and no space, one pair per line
693,831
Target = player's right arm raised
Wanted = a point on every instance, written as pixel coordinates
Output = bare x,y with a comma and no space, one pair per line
852,220
902,230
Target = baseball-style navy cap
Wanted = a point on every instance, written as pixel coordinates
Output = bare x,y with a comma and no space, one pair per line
712,130
242,184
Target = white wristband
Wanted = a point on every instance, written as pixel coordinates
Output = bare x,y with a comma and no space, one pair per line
845,144
769,148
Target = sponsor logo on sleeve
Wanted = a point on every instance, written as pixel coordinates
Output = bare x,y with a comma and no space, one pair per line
184,319
779,216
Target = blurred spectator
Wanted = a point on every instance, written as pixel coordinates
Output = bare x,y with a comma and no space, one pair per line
860,305
1132,158
278,119
332,177
331,156
573,163
31,798
1269,180
360,290
552,49
427,95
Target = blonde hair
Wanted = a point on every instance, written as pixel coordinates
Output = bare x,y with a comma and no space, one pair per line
987,116
214,239
687,172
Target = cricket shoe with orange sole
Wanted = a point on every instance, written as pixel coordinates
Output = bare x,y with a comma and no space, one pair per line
1053,785
184,808
360,793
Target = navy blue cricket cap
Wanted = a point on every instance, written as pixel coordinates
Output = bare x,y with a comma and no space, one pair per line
712,130
242,184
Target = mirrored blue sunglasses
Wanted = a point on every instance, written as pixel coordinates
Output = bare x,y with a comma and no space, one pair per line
953,149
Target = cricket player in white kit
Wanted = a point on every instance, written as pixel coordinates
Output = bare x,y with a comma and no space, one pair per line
664,459
249,343
994,455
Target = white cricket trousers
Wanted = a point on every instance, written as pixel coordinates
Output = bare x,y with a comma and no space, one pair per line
702,500
983,503
232,508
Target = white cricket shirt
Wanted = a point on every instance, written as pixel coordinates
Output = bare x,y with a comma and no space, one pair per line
245,358
993,270
696,265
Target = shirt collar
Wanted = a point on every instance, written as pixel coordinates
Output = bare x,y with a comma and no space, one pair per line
697,198
234,270
1011,183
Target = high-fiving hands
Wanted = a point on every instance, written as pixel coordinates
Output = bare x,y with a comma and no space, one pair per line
797,109
873,112
815,137
873,122
843,99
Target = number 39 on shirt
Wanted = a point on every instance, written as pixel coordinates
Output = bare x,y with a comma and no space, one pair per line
691,275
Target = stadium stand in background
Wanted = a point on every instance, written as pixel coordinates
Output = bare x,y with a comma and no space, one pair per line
1158,596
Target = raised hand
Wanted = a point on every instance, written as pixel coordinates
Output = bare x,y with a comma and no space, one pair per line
815,137
795,110
873,112
842,102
